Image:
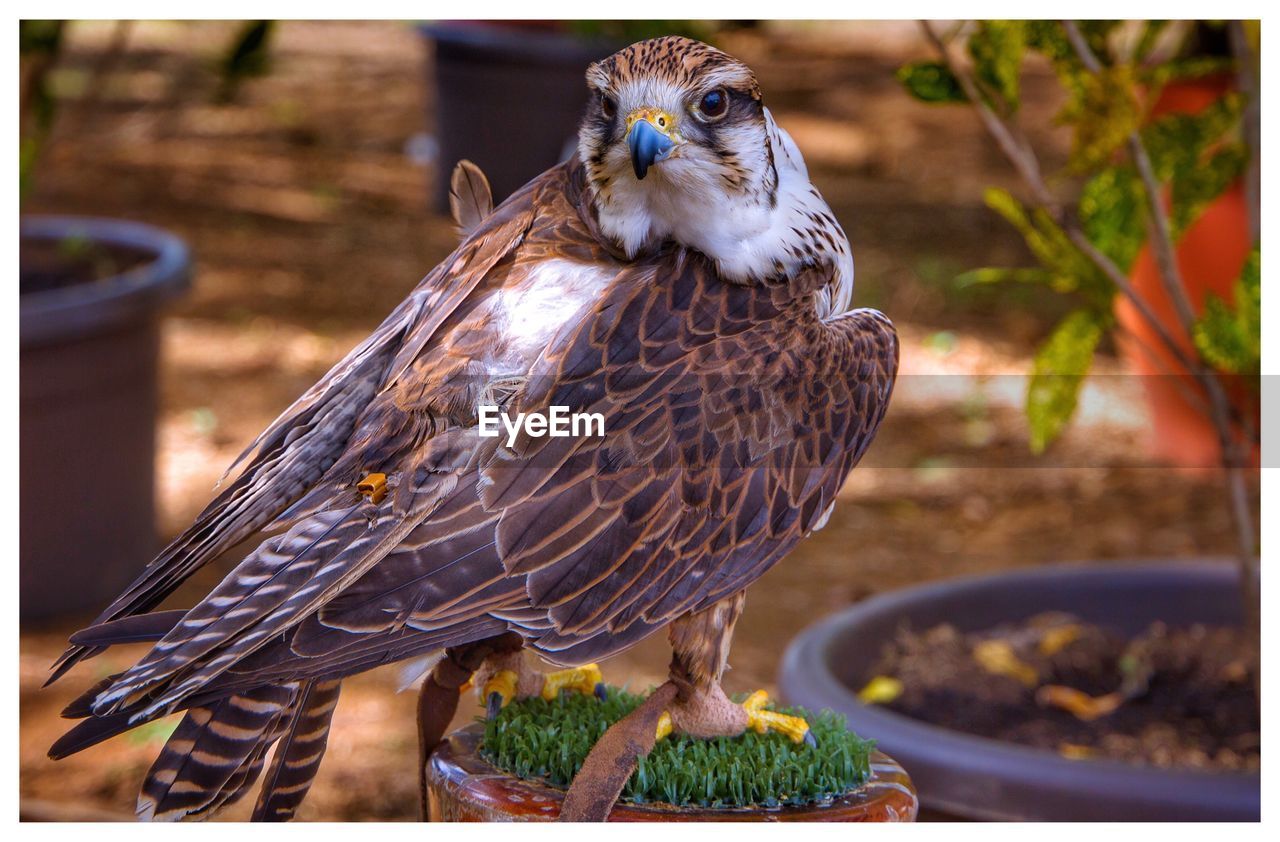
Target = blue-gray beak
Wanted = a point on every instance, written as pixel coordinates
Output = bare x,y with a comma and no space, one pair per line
648,146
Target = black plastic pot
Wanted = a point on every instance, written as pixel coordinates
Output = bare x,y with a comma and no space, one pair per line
90,290
979,778
509,98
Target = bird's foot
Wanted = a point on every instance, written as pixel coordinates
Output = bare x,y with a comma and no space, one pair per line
709,713
498,691
762,720
503,678
704,713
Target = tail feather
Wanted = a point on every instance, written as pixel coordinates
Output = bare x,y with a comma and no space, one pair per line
299,752
137,628
200,767
243,779
89,732
288,458
82,705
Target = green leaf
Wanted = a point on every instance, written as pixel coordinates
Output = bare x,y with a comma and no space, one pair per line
996,48
1176,143
1060,367
1230,340
931,81
1191,67
1049,38
1068,268
1113,214
1199,186
1104,112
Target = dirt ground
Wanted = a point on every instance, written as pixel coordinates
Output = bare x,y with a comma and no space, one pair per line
309,221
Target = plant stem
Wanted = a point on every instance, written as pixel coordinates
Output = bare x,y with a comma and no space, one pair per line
1024,160
1019,154
1247,81
1233,459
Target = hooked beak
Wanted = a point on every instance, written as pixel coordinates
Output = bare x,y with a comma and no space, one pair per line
648,145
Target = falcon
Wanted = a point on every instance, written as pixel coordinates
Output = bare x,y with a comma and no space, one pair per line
679,276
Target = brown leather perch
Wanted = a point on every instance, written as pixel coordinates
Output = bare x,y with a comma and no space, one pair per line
438,699
613,758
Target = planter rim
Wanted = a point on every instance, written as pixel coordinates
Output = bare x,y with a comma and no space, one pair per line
52,315
807,657
520,45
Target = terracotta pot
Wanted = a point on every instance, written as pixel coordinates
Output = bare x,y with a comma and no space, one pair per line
1211,254
463,787
974,777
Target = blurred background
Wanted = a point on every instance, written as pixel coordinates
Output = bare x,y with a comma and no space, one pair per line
300,167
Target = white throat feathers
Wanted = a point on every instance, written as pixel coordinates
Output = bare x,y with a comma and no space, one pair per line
770,223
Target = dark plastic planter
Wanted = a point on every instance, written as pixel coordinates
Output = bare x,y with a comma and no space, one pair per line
87,397
508,98
979,778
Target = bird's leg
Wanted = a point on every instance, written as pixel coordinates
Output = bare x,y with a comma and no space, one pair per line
438,698
691,702
508,675
699,655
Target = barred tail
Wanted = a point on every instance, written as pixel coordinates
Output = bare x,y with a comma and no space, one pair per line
298,756
214,755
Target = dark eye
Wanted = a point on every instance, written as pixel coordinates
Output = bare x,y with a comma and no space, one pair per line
714,104
607,106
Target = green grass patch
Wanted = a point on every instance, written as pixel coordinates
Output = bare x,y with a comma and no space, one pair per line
536,739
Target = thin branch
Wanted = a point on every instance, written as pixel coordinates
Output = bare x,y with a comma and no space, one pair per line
1233,457
1024,160
1121,282
1081,46
1162,242
1178,378
1247,81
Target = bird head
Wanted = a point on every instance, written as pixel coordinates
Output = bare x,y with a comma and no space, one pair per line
674,109
678,146
678,123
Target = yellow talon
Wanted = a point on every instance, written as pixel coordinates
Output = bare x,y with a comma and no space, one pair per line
664,726
499,690
762,721
585,680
